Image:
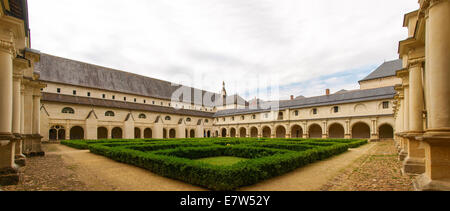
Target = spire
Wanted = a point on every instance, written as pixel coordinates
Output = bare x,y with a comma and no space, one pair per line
224,91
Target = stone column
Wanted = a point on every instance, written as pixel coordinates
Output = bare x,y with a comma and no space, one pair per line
415,162
348,135
8,170
437,136
28,120
404,151
16,124
37,138
110,132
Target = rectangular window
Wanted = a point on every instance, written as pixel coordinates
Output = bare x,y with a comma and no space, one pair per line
315,111
74,92
153,102
124,98
58,90
135,100
145,101
386,105
296,113
88,94
336,109
113,97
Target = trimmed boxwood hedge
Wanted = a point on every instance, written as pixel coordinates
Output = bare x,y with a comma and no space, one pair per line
176,158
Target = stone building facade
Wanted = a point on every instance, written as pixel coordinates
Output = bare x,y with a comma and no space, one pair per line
85,101
422,109
19,91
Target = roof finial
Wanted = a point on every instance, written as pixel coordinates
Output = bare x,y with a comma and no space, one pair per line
224,91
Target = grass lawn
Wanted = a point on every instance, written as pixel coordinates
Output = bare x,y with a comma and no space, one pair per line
222,160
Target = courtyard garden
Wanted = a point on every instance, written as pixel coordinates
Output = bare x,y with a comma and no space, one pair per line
218,163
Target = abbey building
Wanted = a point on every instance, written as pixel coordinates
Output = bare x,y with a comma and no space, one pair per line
48,98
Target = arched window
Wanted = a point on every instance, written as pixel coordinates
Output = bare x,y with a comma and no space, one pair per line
109,113
168,118
68,110
142,116
188,119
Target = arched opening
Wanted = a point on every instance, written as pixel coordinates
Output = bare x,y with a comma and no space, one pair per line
148,133
61,134
102,133
137,132
296,132
192,134
315,131
76,133
233,133
224,133
209,134
336,131
217,133
164,133
52,135
57,133
172,133
386,131
254,132
361,131
243,132
116,133
267,132
281,132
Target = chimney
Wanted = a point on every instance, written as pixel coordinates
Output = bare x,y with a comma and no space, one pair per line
328,91
292,97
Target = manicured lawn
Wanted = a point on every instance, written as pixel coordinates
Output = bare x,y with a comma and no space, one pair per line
222,160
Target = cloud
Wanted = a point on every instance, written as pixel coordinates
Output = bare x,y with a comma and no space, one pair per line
302,46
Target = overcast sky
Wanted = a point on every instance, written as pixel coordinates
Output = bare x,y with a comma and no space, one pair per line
300,46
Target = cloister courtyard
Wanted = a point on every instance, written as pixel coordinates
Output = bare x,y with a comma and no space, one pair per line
372,167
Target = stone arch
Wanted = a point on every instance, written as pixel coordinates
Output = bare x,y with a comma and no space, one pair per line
315,131
254,132
386,131
336,130
296,131
243,132
280,131
76,133
267,132
233,132
117,133
102,133
224,132
361,130
137,133
56,133
192,133
172,133
208,134
148,133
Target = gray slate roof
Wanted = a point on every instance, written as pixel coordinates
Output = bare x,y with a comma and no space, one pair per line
387,69
66,71
87,101
325,100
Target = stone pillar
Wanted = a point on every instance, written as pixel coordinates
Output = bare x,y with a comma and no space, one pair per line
437,136
404,151
8,169
16,121
28,120
415,162
110,132
348,135
325,130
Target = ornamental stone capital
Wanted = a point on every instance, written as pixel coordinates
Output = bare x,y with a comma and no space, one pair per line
7,46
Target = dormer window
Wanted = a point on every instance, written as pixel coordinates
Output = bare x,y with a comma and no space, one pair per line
58,90
315,111
254,116
385,104
74,92
296,113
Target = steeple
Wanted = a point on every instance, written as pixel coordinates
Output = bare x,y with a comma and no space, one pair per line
224,91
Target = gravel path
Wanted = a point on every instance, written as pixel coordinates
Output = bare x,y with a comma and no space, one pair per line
370,167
